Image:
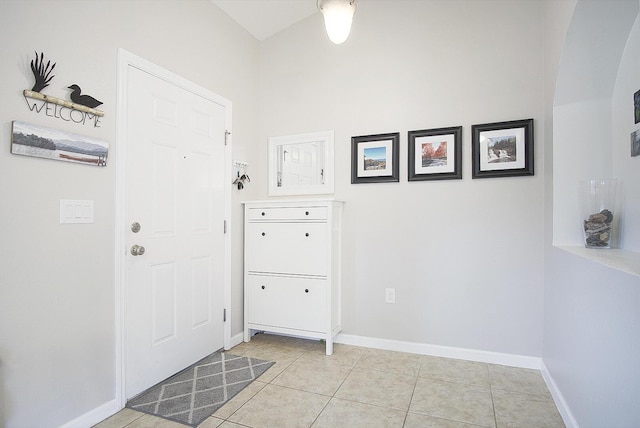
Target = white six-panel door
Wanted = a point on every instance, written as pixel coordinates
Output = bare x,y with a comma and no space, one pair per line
174,291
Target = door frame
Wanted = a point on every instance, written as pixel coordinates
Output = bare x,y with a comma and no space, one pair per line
126,60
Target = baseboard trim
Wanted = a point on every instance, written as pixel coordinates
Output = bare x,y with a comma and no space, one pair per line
558,398
512,360
235,340
94,416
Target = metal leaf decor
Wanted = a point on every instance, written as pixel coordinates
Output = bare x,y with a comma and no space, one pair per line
41,72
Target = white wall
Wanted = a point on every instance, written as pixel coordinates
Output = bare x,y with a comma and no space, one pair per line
591,320
465,256
57,326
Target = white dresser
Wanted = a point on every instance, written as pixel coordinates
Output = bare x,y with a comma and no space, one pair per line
292,268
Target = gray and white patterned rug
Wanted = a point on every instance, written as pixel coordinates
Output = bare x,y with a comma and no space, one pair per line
191,396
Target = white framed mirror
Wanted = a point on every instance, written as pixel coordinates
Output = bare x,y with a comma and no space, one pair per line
301,164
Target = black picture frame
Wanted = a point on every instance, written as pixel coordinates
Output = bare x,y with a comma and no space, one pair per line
502,149
382,164
435,154
636,106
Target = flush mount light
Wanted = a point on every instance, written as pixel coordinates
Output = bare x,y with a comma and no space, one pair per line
338,15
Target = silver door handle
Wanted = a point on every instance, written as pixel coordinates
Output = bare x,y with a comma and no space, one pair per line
137,250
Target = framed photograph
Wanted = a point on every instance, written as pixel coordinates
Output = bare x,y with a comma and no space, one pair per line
636,106
41,142
635,143
502,149
375,158
435,154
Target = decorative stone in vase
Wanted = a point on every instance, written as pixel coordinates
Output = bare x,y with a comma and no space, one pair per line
598,207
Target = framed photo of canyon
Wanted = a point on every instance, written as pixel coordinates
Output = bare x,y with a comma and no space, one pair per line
375,158
502,149
435,154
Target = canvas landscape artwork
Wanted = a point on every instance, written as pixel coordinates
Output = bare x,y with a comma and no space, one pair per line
41,142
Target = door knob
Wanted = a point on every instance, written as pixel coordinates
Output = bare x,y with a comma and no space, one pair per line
137,250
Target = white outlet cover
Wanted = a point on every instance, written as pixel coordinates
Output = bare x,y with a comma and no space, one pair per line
390,295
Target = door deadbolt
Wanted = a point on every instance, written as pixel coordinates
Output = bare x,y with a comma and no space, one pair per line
137,250
135,227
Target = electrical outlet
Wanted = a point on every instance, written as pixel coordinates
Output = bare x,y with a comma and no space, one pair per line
390,295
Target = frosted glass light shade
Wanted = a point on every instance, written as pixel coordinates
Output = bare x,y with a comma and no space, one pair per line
338,15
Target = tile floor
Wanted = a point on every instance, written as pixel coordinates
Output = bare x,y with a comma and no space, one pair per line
362,387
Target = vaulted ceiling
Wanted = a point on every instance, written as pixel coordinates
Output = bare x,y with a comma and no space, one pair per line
264,18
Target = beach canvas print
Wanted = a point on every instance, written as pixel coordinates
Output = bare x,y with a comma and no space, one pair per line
41,142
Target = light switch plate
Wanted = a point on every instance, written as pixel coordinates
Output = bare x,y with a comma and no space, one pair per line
76,211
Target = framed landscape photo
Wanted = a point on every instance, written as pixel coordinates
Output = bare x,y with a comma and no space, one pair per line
502,149
636,107
435,154
375,158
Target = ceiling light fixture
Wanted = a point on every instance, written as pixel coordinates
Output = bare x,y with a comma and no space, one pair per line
338,15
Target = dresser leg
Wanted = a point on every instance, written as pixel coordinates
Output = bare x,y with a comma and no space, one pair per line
329,348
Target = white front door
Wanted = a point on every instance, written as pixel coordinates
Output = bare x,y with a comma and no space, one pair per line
175,192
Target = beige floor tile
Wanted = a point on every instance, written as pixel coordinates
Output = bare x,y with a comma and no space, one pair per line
451,370
342,413
346,355
320,377
276,406
282,341
211,422
389,361
515,379
239,400
228,424
415,420
149,421
378,388
525,410
464,403
120,419
241,348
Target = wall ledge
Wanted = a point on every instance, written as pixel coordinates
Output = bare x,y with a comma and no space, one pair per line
616,258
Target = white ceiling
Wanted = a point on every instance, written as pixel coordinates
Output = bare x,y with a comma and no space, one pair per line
264,18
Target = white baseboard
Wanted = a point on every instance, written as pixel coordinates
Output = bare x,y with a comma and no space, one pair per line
236,340
94,416
512,360
558,398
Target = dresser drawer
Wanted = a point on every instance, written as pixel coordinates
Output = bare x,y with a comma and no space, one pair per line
290,248
285,302
288,213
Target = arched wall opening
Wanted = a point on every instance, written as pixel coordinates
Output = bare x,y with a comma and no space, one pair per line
593,120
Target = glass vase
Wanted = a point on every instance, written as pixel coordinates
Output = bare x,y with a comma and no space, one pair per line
598,208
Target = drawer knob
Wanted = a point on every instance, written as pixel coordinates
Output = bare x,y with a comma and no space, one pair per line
264,213
306,213
306,290
263,287
264,234
306,234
